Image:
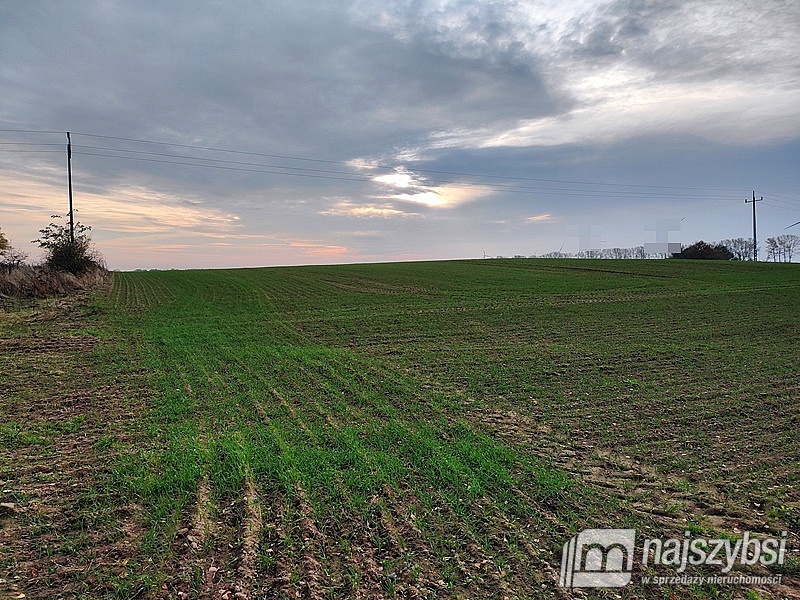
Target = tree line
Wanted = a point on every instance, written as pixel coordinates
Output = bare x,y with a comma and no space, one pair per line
781,248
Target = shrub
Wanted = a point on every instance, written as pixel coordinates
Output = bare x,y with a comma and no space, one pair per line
704,250
69,251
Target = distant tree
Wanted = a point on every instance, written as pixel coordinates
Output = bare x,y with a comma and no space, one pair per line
10,257
773,253
782,248
64,253
741,248
789,244
636,252
704,250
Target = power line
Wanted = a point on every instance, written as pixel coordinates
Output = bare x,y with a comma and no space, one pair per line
780,200
195,164
31,131
203,161
200,158
779,196
394,167
607,189
345,176
210,149
31,151
794,210
28,144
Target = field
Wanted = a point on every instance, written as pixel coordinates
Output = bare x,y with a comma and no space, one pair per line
410,430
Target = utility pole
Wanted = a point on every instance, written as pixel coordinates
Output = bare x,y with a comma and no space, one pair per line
755,239
69,173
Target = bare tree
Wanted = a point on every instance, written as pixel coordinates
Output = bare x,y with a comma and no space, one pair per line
741,248
784,247
10,257
773,250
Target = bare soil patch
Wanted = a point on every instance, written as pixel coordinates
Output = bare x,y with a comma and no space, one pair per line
666,502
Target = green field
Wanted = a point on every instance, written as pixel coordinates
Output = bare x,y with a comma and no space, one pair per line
410,430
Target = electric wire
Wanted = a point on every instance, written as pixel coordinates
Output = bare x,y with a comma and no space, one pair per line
344,176
602,189
349,176
395,167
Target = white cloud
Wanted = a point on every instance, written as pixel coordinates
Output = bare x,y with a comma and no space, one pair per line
621,69
539,218
365,211
723,112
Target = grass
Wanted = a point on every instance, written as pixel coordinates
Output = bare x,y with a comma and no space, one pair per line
437,429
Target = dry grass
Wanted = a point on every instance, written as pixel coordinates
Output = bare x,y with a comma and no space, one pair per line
43,282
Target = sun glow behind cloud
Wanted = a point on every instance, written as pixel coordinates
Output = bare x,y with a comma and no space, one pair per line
443,196
399,179
417,190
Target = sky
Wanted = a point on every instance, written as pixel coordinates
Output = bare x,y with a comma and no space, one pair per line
241,133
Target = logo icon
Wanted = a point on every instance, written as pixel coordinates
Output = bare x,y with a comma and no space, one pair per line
598,558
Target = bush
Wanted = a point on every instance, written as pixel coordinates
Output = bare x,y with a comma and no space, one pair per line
69,251
69,267
705,251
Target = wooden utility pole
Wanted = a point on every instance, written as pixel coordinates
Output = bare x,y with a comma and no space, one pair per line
69,174
755,239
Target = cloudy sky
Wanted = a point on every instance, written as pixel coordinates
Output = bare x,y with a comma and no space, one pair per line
243,133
